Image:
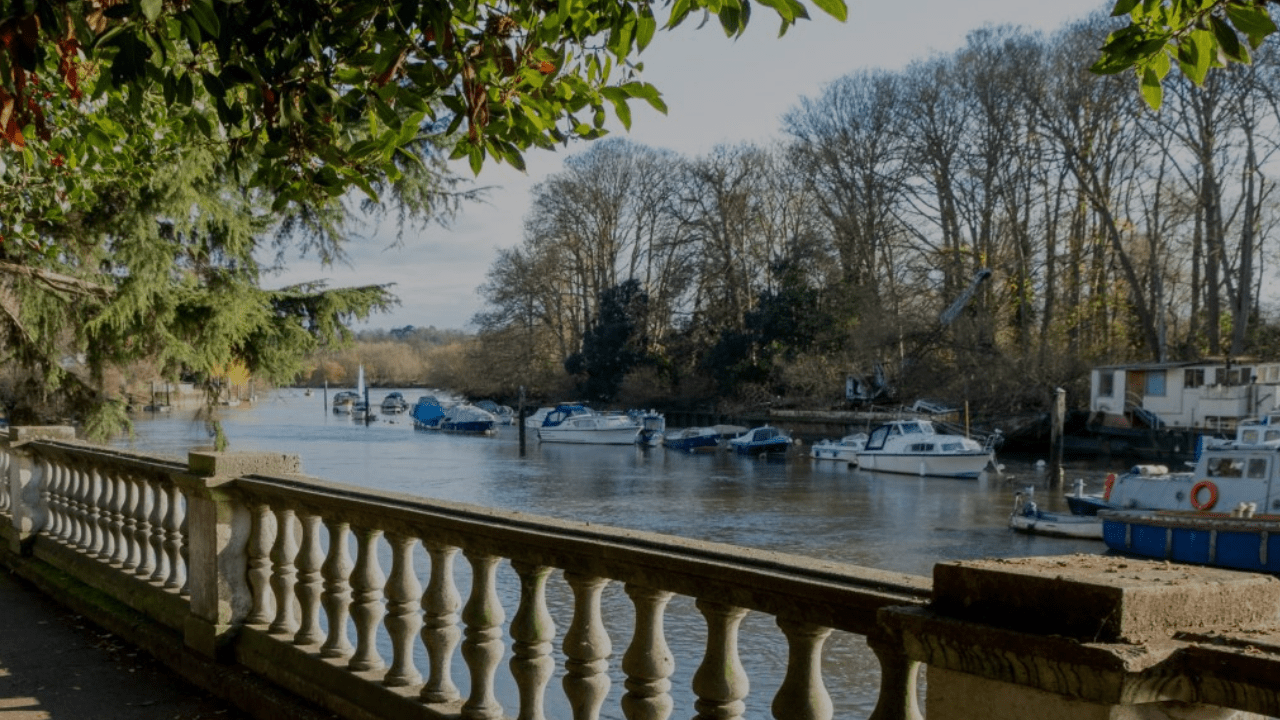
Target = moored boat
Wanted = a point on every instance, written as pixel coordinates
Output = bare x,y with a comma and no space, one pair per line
345,401
844,450
766,440
1028,518
579,424
653,425
469,419
915,447
427,413
394,403
694,439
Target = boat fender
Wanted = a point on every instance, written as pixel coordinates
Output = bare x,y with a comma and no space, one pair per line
1111,483
1195,495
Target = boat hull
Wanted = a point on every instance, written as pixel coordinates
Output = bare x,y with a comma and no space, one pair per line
697,443
959,465
768,447
583,436
1228,542
470,427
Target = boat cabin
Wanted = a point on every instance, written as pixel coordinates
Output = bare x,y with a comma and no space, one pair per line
1207,395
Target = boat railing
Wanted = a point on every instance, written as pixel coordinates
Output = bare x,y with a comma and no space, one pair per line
375,604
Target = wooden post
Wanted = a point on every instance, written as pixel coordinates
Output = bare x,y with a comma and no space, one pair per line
520,420
1056,439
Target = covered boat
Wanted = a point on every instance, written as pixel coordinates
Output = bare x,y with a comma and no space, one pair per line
843,450
467,418
694,439
766,440
394,404
345,401
427,413
581,425
915,447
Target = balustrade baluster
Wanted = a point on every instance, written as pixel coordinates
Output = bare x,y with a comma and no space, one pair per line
283,573
129,511
97,498
52,493
482,639
261,539
119,497
310,585
337,590
802,695
532,630
159,511
184,548
404,592
367,609
587,648
440,633
720,681
648,662
898,699
5,459
174,522
142,532
79,537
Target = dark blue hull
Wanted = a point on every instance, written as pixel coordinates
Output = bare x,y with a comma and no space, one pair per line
779,445
1236,543
474,427
693,444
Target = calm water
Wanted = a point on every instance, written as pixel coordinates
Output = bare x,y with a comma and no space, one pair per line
820,509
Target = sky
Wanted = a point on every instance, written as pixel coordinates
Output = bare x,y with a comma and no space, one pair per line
717,91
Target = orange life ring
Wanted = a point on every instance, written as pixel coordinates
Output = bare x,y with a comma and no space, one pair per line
1111,482
1195,495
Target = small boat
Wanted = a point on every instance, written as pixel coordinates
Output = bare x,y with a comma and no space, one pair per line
844,450
694,439
503,413
1240,541
394,404
915,447
1028,518
345,401
427,413
469,419
652,426
765,440
582,425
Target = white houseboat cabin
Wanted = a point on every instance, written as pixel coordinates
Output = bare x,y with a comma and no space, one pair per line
1206,396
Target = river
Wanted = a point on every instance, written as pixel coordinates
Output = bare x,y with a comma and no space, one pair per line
816,508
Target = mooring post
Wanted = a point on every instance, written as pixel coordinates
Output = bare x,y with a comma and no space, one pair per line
520,420
1056,439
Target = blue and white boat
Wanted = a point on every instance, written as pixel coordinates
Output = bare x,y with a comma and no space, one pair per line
581,425
469,419
1241,540
653,426
427,413
767,440
694,439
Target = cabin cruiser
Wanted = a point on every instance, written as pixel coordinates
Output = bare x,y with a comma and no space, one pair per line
582,425
915,447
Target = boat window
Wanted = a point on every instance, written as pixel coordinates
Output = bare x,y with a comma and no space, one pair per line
1257,468
1272,436
922,448
1225,467
1249,436
878,436
952,447
911,428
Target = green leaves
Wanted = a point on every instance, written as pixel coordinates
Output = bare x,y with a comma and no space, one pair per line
1198,34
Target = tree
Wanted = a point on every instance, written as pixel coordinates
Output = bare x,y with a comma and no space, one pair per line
615,343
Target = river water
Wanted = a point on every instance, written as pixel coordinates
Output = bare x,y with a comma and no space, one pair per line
816,508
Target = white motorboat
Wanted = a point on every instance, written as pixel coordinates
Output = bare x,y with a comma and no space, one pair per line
843,450
582,425
915,447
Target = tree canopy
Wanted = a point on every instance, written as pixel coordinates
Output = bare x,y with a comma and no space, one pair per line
1193,35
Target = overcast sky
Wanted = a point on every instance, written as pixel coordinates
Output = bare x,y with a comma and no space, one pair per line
717,90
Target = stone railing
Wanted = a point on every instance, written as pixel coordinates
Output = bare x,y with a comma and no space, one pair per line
374,605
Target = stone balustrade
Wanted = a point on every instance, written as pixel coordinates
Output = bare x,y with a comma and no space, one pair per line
377,605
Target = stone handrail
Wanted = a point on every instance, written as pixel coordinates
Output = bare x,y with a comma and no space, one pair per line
354,599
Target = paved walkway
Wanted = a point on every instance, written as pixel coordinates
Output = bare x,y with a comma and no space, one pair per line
54,665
